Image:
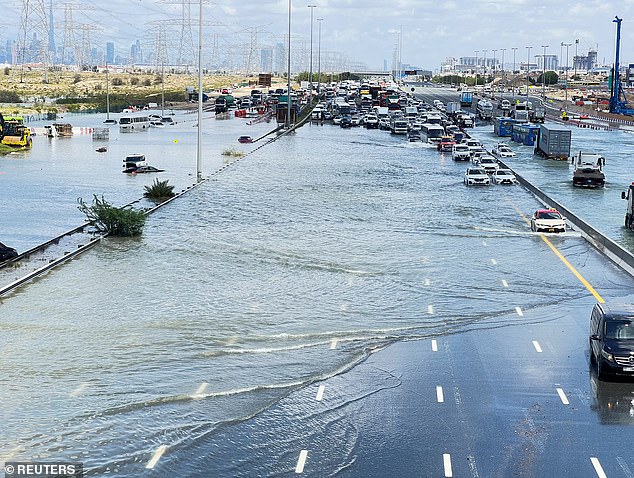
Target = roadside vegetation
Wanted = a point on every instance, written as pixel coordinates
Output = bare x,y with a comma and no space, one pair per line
115,221
231,152
159,191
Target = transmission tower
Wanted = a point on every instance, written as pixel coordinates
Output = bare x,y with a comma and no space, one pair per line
34,31
77,39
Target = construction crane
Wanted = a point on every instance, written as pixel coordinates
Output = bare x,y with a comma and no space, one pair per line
618,101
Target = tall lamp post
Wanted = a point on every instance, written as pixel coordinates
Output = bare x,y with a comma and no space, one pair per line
513,73
319,20
199,148
476,67
528,70
484,81
566,80
288,71
493,82
544,72
575,59
502,50
310,73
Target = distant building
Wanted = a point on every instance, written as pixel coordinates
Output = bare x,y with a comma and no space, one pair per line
266,60
586,63
547,62
110,53
280,58
136,53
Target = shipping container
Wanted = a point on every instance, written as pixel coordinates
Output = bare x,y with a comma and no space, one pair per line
553,142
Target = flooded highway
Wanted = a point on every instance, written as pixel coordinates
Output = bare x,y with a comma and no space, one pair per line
336,304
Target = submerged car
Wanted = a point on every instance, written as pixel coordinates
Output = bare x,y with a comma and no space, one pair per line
488,163
476,177
504,176
7,252
548,220
503,151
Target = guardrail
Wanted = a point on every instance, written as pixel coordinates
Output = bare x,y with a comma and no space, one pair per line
613,251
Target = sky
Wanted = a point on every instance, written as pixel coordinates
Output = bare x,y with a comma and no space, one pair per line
365,31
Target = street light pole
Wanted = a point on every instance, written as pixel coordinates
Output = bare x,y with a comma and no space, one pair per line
566,80
485,66
513,73
494,67
575,59
288,71
544,72
528,69
199,139
476,67
319,20
310,73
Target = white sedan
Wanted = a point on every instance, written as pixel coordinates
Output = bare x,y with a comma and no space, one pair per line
503,151
548,220
504,176
476,177
488,163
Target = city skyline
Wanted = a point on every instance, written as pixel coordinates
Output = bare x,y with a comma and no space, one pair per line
366,34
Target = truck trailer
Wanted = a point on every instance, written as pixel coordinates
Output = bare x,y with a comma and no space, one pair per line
553,142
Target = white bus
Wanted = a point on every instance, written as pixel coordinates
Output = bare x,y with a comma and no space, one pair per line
128,124
432,133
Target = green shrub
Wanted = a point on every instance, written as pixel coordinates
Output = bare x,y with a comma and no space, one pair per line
232,152
115,221
159,190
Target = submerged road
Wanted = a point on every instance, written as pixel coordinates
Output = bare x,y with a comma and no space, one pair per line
337,304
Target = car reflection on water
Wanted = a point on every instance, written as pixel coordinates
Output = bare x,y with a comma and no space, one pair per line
613,401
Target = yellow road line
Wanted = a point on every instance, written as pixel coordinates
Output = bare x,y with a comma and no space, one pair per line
573,270
564,260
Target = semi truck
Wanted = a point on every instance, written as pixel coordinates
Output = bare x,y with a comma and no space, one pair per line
485,110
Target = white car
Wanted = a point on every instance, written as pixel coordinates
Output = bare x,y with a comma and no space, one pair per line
476,176
548,220
488,163
460,152
503,151
504,176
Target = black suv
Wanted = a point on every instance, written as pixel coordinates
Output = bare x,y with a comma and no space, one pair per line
7,252
612,339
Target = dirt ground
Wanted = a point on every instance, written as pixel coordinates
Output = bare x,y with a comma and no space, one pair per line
38,89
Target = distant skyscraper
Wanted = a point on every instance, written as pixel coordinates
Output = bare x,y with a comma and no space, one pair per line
266,60
136,54
280,58
110,53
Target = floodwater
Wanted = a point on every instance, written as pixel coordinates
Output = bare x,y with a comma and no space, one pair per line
288,267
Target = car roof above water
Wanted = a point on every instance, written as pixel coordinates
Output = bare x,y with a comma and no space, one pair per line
617,310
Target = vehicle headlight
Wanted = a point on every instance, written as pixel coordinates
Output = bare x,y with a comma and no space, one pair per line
606,355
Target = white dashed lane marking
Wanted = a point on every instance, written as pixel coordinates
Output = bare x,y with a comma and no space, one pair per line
598,468
320,393
562,396
301,461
